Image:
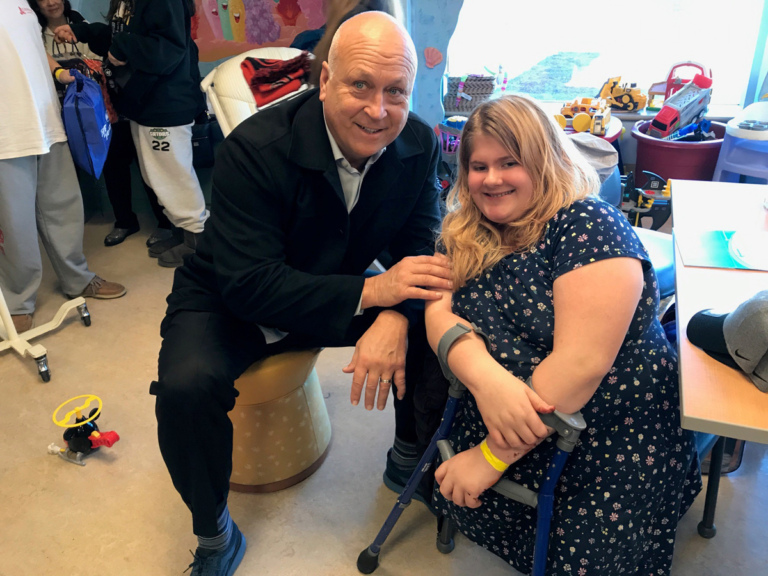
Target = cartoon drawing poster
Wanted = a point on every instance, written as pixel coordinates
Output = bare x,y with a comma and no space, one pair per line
223,28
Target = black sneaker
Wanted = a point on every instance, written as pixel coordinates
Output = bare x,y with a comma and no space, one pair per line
158,236
176,238
396,475
223,563
174,257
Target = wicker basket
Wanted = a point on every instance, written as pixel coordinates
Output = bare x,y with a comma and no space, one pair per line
478,88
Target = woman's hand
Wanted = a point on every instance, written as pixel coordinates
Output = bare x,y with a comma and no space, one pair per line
115,61
510,410
465,477
63,34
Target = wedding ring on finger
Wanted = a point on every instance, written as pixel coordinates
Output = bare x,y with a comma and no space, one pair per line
385,381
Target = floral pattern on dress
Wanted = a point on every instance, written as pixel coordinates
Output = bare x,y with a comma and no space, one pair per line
634,471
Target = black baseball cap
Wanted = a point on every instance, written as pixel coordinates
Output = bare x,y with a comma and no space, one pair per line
738,339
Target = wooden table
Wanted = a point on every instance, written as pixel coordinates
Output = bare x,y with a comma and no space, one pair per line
716,399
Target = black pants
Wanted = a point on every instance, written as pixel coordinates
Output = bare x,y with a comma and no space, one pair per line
117,177
202,355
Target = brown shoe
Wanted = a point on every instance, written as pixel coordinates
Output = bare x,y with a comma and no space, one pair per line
22,322
102,289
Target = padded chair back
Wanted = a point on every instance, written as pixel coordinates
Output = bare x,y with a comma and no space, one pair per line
658,244
661,252
228,92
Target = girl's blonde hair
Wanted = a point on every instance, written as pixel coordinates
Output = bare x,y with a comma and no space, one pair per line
560,176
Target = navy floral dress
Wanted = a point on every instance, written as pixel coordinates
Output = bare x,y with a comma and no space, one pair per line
634,471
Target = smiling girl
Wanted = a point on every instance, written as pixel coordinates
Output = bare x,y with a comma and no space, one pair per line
565,291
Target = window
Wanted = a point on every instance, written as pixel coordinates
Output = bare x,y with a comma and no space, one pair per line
560,50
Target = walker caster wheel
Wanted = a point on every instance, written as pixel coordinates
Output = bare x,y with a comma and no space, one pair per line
367,562
42,368
85,316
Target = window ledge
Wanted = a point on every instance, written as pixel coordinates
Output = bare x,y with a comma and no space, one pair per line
717,113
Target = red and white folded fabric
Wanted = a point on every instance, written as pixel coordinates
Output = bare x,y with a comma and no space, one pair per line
270,79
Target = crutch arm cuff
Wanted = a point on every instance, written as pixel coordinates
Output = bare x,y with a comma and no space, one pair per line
447,340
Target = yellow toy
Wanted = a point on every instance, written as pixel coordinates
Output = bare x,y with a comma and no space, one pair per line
585,114
622,97
83,435
653,200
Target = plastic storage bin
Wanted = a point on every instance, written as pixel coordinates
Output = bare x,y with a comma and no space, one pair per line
682,160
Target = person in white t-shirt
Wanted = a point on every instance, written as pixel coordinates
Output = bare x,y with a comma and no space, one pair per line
38,186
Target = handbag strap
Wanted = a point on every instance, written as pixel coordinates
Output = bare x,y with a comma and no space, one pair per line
56,49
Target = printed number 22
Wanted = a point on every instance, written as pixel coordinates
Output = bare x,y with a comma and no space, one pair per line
162,146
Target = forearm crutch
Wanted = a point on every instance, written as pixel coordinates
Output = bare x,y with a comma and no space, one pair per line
567,426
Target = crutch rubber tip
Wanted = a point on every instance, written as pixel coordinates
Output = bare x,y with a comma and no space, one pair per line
445,547
706,531
367,562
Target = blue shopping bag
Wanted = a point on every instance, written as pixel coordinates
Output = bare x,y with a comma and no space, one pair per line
86,123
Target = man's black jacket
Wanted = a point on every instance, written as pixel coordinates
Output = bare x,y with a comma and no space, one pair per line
280,249
164,85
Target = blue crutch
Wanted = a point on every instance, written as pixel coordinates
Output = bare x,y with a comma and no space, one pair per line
567,426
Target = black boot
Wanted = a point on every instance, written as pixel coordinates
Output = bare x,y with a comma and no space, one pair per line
174,257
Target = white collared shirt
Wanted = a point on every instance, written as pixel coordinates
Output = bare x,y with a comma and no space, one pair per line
351,178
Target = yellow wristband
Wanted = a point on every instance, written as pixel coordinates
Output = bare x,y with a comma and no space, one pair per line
491,458
57,73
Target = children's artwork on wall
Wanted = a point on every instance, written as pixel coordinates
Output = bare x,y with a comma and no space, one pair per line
223,28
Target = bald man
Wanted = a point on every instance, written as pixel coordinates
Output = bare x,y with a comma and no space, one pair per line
306,195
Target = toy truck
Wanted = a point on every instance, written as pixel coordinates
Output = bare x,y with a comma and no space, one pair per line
585,114
674,82
622,97
684,107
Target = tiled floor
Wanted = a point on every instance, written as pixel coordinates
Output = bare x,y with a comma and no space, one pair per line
120,515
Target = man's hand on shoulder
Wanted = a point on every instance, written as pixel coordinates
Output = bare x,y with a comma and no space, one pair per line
412,277
379,360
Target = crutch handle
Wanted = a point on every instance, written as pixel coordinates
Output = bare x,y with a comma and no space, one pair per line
568,426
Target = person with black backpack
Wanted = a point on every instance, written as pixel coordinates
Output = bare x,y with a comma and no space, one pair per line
117,169
153,79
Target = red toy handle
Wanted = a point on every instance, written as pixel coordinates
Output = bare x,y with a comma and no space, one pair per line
104,439
671,87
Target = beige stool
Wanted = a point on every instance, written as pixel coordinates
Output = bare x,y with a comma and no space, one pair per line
281,428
